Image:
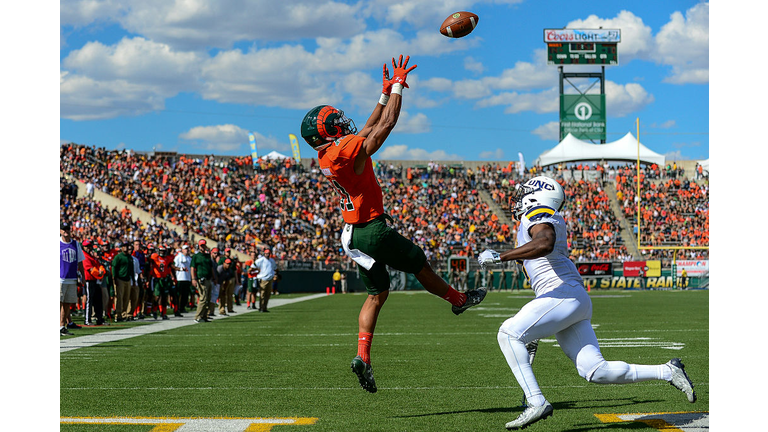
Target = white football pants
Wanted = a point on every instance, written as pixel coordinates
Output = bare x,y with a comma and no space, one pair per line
565,313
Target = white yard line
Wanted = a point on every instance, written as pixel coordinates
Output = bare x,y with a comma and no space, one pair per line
73,343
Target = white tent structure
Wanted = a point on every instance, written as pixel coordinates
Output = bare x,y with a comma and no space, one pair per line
572,149
273,155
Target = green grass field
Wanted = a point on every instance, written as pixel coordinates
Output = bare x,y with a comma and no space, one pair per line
435,371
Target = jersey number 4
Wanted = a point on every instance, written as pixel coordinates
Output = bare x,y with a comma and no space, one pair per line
346,201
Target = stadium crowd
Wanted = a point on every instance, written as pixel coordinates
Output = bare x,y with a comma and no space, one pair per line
293,209
674,211
158,279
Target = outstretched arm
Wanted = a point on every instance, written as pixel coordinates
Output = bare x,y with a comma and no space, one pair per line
389,114
542,244
386,90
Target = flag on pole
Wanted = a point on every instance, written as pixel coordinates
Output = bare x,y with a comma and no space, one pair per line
295,147
254,153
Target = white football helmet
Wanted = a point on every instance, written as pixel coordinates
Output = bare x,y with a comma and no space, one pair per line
537,191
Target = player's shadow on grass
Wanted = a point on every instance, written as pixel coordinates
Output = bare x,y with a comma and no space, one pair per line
611,403
596,403
513,409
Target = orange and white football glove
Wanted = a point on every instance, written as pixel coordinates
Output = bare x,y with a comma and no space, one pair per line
400,73
386,88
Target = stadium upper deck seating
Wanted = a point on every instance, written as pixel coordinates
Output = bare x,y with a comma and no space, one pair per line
293,209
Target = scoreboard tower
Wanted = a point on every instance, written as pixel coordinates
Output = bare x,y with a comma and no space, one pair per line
582,114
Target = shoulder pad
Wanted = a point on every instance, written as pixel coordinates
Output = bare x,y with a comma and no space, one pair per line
539,212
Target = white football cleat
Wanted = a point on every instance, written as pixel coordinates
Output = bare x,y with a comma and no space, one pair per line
530,416
680,379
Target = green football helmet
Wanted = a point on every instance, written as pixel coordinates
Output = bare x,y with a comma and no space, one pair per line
323,124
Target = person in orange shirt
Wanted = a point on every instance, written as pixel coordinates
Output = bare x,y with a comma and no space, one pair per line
94,272
344,156
162,283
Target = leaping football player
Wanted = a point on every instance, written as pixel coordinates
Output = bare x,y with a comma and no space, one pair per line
561,307
344,156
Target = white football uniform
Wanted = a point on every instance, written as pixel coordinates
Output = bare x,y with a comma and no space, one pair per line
549,272
561,308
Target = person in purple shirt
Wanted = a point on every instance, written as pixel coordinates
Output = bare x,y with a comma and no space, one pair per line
70,268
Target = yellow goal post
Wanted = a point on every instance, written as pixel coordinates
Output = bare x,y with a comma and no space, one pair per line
640,246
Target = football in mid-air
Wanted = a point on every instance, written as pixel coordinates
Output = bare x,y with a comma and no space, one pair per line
459,24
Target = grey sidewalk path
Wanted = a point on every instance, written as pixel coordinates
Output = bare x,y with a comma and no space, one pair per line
70,343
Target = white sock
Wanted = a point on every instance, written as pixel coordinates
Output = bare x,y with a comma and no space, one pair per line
619,372
517,358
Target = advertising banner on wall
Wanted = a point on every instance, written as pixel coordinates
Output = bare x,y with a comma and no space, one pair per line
642,268
595,269
693,267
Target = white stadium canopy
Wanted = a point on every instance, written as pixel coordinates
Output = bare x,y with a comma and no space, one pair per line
572,149
273,155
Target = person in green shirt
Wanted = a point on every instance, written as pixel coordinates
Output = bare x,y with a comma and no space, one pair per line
203,276
122,276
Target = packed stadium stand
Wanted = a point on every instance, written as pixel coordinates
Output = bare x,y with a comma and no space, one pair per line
447,208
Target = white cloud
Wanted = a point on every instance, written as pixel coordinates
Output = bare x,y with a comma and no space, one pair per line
403,152
200,24
229,137
543,102
407,123
548,131
79,13
421,13
225,137
138,60
524,76
636,37
132,77
289,76
683,43
665,125
83,98
621,100
473,65
166,60
497,154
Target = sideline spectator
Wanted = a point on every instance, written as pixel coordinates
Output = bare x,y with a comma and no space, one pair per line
140,278
122,275
181,264
94,272
71,259
216,287
226,275
136,298
162,283
201,270
227,290
251,284
266,266
336,280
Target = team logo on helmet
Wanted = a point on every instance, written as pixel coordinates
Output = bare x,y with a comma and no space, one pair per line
536,192
323,124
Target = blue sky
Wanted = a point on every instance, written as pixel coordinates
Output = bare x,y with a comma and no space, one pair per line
197,76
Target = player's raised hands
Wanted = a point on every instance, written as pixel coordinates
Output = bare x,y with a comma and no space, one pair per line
386,82
400,72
